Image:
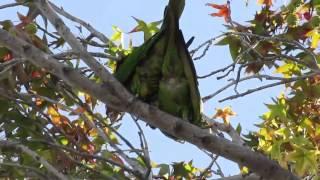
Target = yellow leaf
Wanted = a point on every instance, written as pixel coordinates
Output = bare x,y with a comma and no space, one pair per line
93,133
88,98
53,111
315,37
244,170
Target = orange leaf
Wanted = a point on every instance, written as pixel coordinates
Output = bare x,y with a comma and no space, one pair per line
224,114
61,121
8,57
39,101
224,11
90,148
266,2
56,120
64,120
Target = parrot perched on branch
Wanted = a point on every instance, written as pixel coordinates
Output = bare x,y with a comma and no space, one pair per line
161,71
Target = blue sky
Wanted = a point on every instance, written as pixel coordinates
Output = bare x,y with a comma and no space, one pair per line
194,22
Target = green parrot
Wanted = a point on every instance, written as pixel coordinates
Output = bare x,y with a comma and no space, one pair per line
161,71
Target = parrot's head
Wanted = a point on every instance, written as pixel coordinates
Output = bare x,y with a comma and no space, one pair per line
178,6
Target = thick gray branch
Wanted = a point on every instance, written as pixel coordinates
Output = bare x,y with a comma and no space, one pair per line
116,96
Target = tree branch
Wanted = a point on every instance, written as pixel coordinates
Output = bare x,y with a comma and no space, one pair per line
10,5
116,96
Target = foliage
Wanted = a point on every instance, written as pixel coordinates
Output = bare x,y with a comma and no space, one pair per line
289,132
69,129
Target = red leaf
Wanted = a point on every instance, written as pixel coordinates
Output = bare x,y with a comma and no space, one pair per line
36,74
24,21
307,15
224,11
268,2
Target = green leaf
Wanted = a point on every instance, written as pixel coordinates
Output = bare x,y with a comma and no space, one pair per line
164,169
45,91
117,35
106,154
3,51
275,151
305,160
224,41
63,140
277,110
284,133
239,128
315,21
141,162
4,107
292,19
288,69
183,169
301,141
315,3
234,50
149,29
31,28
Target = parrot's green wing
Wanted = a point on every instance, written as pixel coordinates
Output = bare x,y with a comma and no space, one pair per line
178,89
190,74
126,68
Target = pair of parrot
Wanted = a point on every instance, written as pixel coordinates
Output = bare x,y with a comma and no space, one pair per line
161,72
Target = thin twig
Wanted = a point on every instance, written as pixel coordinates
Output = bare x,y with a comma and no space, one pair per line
35,156
145,148
209,167
292,42
284,81
206,44
91,29
257,76
10,5
75,55
216,71
47,32
84,154
93,43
